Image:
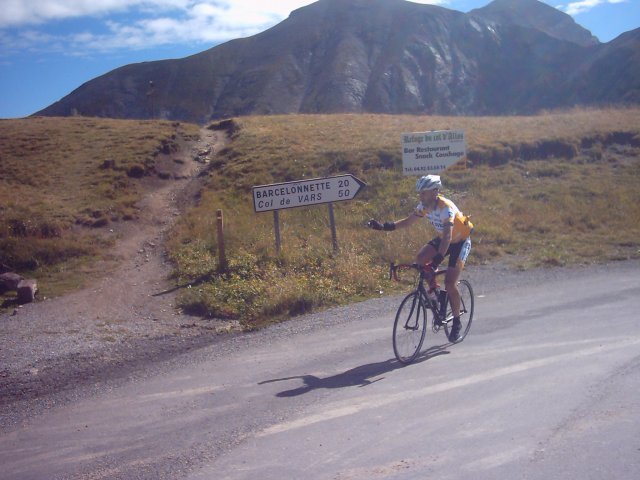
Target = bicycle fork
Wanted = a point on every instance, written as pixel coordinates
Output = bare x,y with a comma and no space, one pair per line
413,323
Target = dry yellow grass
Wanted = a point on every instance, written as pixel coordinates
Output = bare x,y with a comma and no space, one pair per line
59,175
540,190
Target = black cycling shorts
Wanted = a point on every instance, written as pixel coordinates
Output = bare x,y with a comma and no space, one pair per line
458,252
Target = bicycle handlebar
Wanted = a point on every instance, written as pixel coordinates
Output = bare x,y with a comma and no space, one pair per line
427,270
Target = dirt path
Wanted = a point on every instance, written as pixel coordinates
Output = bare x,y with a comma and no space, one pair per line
120,320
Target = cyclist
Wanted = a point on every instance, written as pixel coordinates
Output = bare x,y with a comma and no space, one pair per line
454,237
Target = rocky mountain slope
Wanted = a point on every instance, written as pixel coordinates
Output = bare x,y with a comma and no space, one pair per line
538,16
379,56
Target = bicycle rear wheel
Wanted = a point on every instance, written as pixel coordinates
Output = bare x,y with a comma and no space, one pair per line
466,310
409,328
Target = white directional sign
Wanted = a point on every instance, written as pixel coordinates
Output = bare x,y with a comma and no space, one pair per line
301,193
431,152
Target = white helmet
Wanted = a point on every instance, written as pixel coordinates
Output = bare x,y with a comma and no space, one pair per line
428,182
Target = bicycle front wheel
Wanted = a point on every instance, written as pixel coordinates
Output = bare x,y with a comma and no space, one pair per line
409,328
466,310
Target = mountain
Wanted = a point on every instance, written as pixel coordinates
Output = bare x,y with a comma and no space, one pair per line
380,56
611,73
537,16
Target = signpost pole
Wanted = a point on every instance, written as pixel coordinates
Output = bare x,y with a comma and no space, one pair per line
222,257
276,227
332,223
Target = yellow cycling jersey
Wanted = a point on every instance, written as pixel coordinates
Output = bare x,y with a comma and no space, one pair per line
446,213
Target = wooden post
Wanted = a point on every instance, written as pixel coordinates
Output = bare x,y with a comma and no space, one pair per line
222,257
332,223
276,227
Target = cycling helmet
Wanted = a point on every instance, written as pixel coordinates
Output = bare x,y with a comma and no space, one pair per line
428,182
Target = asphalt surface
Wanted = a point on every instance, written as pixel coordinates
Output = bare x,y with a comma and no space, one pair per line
544,386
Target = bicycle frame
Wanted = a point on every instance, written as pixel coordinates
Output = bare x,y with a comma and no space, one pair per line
411,321
428,274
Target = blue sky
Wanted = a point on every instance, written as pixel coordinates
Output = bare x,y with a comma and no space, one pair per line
50,47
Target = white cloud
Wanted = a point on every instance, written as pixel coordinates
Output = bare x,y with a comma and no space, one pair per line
30,12
575,8
25,12
147,23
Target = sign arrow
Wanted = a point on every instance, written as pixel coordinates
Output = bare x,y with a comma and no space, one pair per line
301,193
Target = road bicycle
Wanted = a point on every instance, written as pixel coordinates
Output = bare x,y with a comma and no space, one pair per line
411,323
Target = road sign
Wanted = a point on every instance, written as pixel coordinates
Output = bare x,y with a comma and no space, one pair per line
279,196
431,152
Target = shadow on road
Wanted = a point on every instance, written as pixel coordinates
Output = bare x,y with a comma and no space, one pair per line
359,376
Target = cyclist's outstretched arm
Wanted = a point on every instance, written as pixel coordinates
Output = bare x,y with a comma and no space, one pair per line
408,221
389,226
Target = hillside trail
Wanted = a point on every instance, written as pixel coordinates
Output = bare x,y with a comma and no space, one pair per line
126,316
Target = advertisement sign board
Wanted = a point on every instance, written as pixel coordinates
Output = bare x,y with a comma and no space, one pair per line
431,152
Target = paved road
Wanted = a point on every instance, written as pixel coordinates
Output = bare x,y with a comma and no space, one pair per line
545,386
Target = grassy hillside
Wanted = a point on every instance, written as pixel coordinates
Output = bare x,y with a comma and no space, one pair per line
64,180
553,189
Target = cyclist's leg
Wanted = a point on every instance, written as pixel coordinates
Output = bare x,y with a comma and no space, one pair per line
451,284
458,254
426,253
